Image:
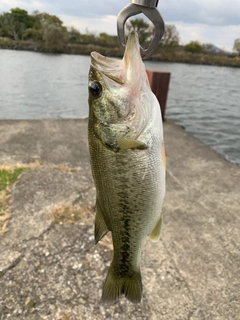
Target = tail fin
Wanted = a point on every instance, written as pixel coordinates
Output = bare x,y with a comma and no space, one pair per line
114,286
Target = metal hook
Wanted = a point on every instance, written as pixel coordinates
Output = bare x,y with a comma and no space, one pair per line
148,8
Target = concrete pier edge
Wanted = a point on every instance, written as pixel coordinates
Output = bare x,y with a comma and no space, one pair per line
54,271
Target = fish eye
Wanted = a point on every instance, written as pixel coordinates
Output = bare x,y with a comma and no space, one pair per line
95,89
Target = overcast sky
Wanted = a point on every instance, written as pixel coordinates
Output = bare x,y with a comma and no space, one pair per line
207,21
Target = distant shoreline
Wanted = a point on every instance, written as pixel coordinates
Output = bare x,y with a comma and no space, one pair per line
162,55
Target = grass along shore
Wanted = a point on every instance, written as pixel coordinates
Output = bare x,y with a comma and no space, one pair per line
162,54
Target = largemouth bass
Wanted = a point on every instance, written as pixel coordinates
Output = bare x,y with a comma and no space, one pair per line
128,164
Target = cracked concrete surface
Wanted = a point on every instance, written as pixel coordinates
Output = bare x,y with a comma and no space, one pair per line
51,271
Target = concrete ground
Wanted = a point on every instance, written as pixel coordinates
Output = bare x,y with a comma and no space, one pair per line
54,271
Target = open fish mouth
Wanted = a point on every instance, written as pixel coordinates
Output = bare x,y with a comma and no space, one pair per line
109,67
120,71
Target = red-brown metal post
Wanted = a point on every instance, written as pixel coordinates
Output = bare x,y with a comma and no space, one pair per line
159,82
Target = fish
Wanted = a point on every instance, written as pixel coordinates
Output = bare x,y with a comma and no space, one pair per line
125,136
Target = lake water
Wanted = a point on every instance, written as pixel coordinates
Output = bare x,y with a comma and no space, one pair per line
203,99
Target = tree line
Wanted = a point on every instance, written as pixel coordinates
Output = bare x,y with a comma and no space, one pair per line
40,27
18,25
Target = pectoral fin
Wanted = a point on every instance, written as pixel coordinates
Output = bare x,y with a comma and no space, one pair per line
126,143
155,234
100,226
118,137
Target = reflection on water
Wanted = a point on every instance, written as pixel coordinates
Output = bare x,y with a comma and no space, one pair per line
203,99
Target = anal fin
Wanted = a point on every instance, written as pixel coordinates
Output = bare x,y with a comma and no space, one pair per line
100,226
155,234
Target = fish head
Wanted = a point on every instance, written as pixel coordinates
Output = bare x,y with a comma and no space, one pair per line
118,89
107,96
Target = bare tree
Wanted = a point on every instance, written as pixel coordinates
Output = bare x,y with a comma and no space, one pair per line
171,36
236,46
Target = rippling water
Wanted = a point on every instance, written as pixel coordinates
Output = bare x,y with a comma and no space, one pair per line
37,86
206,101
203,99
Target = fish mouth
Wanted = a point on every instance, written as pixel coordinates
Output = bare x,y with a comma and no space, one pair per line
132,50
120,71
133,61
109,67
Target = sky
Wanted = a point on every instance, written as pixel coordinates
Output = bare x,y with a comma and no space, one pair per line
206,21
